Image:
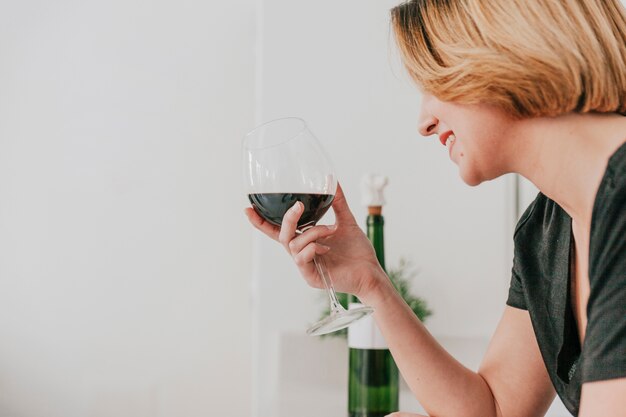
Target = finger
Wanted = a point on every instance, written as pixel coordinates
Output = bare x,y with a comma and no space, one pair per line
262,224
340,207
306,255
312,235
290,224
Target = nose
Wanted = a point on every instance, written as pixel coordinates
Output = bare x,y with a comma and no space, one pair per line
429,126
427,123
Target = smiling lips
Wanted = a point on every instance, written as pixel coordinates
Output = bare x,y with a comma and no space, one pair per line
443,138
447,139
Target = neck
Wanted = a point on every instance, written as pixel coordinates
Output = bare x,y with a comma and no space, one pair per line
566,157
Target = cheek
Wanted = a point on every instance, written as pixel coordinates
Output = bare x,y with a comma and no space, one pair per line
479,146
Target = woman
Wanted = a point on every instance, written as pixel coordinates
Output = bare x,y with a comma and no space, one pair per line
536,88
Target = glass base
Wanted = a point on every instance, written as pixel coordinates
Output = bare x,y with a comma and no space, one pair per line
339,319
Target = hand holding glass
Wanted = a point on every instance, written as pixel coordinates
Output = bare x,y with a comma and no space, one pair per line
284,163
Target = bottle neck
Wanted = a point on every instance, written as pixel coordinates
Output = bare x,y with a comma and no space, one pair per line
375,224
374,230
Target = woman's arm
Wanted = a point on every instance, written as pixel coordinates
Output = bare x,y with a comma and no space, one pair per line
512,380
603,398
514,369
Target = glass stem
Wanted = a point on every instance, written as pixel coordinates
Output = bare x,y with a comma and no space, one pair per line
320,265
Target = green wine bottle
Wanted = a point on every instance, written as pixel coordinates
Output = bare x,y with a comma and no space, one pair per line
373,380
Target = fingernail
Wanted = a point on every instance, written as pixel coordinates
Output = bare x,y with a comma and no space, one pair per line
326,248
332,227
296,207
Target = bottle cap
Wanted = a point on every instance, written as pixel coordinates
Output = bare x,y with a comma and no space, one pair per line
372,186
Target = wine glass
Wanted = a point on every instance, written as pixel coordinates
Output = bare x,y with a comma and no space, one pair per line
284,163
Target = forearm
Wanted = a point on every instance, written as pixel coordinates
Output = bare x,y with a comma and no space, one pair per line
443,386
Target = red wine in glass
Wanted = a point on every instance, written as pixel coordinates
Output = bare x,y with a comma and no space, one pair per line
273,206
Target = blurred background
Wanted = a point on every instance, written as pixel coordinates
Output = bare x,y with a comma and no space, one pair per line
131,283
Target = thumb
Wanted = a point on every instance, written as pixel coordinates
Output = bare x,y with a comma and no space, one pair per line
340,207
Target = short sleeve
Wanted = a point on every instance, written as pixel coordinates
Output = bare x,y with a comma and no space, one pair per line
604,347
516,293
516,297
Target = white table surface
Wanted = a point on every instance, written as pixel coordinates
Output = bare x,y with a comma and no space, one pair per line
313,375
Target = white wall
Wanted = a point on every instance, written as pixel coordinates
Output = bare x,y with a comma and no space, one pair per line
124,255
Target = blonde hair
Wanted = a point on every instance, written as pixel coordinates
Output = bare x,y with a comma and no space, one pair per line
529,57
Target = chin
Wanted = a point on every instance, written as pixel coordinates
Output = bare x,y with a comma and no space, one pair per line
470,177
473,177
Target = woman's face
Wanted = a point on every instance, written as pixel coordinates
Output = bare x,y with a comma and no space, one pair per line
478,137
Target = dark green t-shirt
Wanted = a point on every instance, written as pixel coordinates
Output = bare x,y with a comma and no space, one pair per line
541,285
